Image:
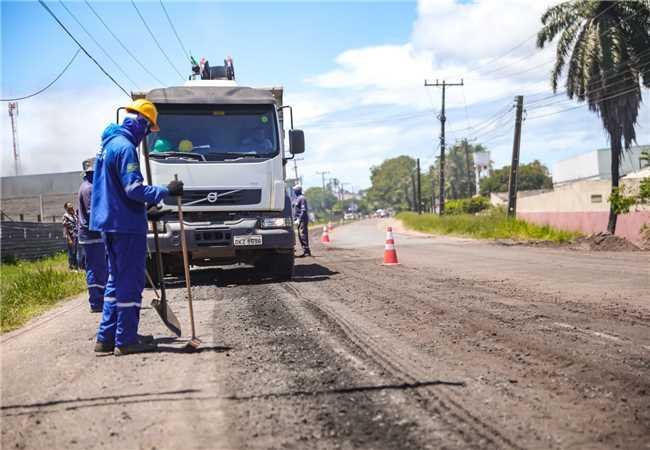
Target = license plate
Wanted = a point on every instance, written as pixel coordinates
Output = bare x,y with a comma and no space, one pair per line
248,239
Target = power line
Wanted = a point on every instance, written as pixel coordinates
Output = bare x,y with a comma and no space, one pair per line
178,38
153,36
99,45
629,91
83,49
126,49
48,86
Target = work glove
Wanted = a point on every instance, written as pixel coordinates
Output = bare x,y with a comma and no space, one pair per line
154,213
175,188
296,222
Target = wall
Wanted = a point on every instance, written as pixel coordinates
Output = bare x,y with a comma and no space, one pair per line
572,207
28,240
595,165
34,185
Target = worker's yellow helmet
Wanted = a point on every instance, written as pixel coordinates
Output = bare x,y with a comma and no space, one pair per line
147,109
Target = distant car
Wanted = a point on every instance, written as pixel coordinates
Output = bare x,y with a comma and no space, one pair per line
349,216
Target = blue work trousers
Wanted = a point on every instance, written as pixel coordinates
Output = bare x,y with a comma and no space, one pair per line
303,235
95,264
123,295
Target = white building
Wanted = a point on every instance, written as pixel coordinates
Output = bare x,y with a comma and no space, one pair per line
596,165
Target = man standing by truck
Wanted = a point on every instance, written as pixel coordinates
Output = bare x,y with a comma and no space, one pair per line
118,211
70,233
301,219
90,243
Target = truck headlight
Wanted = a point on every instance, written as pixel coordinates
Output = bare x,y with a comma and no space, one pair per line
276,222
161,227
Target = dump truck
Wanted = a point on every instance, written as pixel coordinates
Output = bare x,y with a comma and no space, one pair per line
227,144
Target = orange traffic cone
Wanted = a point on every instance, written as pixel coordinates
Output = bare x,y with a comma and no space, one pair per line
325,238
390,255
330,227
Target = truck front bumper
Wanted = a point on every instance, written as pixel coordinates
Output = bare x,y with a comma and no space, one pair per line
209,240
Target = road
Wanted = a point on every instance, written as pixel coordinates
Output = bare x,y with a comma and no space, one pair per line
466,344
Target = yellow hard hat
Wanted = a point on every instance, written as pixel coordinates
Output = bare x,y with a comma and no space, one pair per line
147,109
185,145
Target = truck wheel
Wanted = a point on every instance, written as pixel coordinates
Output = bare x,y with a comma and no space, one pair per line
279,267
283,268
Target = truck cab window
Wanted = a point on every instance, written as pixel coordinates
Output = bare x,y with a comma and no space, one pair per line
216,132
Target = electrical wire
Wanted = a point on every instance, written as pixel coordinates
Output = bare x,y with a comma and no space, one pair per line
83,49
153,36
46,87
122,71
124,47
620,94
178,38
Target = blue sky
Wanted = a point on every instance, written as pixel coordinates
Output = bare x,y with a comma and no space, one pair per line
353,71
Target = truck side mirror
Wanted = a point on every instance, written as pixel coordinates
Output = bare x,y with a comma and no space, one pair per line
296,142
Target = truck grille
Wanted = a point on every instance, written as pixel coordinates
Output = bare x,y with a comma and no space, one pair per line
218,197
212,238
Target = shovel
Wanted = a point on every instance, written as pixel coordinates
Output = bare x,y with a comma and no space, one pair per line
162,308
160,303
194,342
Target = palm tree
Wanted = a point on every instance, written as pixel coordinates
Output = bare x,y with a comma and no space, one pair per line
606,45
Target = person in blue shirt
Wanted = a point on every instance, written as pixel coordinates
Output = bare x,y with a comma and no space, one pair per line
301,220
119,199
90,243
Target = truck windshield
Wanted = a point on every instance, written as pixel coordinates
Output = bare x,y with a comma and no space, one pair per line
215,133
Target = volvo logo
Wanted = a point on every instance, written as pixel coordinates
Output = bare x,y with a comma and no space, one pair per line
212,197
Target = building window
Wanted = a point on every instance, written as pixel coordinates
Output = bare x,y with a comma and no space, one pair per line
596,198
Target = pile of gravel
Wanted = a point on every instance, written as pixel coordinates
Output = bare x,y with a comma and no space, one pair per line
605,241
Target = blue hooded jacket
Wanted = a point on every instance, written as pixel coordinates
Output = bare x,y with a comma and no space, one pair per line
119,195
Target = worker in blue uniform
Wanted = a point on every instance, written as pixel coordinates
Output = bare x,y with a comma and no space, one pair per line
119,200
301,220
91,243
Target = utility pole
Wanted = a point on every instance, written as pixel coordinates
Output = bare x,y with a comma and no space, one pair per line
514,167
295,169
443,119
322,174
419,188
469,171
414,193
13,114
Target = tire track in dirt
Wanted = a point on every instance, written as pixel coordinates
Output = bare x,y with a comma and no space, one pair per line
439,400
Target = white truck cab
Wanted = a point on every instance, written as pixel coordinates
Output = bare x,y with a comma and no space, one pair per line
226,143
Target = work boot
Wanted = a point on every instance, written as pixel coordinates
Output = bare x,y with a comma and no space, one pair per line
103,347
138,347
305,253
96,309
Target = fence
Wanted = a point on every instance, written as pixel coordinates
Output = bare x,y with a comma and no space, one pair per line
30,240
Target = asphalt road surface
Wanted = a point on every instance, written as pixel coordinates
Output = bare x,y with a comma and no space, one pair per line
466,344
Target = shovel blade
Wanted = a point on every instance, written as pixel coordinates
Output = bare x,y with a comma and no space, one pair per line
167,316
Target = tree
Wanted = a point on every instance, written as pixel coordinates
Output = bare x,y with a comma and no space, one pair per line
459,170
531,176
605,44
391,183
319,201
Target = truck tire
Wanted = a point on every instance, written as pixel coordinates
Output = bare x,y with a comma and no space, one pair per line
279,266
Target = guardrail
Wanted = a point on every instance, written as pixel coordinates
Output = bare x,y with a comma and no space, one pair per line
30,240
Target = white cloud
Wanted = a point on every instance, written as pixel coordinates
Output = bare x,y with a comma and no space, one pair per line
58,130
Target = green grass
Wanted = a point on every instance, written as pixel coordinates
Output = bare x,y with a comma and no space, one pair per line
491,225
27,288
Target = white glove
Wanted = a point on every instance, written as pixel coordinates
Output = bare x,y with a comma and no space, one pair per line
296,222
